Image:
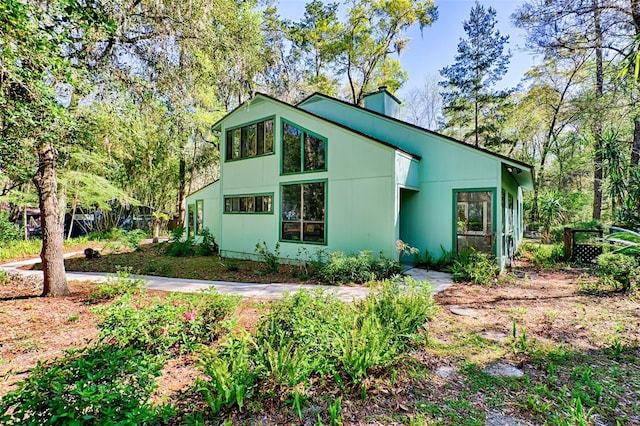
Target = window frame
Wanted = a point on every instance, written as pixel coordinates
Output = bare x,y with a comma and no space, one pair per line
492,231
303,132
302,220
191,221
252,195
241,129
199,217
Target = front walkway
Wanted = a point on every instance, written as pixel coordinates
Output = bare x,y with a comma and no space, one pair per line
439,280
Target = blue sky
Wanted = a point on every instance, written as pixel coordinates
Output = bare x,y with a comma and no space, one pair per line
436,47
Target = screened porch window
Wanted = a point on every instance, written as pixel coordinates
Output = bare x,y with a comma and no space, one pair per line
474,220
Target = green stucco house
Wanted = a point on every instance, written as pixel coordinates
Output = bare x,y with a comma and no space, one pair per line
331,175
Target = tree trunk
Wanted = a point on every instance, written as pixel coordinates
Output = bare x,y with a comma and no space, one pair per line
635,149
182,198
46,182
24,222
597,125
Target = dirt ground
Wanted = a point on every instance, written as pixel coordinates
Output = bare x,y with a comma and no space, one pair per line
546,305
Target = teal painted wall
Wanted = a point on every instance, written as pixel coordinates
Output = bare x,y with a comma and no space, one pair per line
375,194
361,187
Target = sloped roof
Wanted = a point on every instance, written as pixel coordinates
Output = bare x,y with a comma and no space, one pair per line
413,126
217,125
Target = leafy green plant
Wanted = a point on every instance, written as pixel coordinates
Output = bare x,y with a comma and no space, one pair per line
618,270
335,408
271,259
475,267
230,372
94,385
177,247
208,245
362,344
359,268
9,231
178,321
118,285
439,263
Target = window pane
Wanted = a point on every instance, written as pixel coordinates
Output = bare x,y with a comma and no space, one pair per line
258,203
267,203
249,141
291,202
236,143
313,232
228,206
314,202
291,161
268,136
251,206
313,153
291,231
236,204
475,221
191,218
199,216
260,148
243,204
229,145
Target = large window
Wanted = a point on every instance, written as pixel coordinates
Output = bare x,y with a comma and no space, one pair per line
303,212
261,203
302,151
250,140
474,220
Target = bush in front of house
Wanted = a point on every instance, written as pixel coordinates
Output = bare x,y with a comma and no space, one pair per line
360,268
475,267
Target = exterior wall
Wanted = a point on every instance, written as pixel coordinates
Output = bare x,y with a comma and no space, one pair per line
210,195
360,190
426,219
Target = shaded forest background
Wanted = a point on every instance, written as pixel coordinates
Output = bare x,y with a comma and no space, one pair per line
110,103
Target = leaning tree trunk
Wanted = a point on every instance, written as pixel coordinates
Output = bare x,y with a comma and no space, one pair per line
46,182
182,191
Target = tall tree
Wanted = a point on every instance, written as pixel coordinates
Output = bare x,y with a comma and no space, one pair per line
561,28
35,46
480,63
373,31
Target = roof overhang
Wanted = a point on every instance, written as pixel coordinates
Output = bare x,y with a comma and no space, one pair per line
520,173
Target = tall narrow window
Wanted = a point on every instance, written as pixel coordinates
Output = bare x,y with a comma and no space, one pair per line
191,220
199,216
303,212
474,220
302,151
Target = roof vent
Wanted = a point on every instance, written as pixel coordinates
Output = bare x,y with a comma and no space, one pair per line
382,102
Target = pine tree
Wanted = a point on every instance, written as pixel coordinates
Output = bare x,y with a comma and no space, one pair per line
470,104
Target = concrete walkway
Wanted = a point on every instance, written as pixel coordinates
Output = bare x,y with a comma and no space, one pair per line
439,280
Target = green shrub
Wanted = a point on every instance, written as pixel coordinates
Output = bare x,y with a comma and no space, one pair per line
180,321
230,372
271,259
117,285
439,263
363,344
208,246
542,255
9,231
475,267
403,307
618,270
94,385
177,247
360,268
